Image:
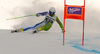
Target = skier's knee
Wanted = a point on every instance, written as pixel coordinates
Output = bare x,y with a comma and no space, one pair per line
40,29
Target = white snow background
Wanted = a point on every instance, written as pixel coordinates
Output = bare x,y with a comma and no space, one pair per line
49,42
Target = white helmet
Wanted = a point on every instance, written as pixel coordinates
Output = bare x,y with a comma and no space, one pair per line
52,10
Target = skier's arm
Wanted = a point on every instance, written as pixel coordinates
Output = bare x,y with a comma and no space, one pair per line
59,22
41,14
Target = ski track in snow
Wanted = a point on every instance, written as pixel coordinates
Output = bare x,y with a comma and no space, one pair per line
87,47
76,43
86,50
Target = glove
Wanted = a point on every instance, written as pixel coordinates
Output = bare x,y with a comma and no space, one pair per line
37,14
63,30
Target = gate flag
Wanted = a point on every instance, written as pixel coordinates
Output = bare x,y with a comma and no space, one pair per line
74,12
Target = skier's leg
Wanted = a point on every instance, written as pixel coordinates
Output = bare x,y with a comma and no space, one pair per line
28,28
35,27
45,27
25,29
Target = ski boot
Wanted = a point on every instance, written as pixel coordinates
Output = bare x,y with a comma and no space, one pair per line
18,30
35,31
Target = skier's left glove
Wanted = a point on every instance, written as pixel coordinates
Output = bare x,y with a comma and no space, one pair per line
63,30
37,14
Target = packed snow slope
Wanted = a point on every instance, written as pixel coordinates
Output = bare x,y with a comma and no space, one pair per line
47,43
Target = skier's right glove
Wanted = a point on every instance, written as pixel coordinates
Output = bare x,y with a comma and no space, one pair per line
37,14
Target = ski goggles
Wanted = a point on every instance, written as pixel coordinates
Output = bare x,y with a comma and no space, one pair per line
51,12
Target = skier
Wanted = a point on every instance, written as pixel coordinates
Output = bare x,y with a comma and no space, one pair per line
46,24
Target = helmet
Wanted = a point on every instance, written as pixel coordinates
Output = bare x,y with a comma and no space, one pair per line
52,10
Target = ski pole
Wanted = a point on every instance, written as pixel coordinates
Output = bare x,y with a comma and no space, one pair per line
20,17
68,31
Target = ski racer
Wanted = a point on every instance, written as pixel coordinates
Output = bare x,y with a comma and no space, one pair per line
46,24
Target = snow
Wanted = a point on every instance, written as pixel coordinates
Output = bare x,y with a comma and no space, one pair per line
47,43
